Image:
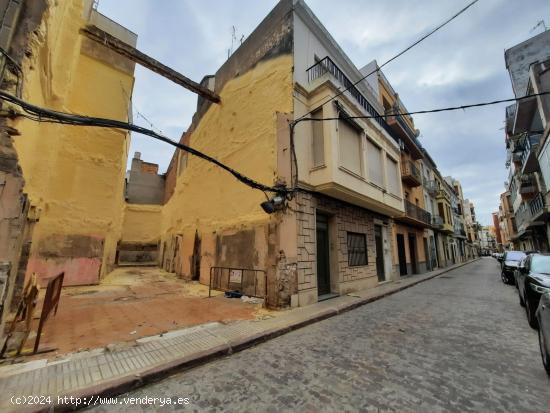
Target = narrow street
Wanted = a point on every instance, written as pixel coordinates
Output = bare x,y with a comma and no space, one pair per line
457,343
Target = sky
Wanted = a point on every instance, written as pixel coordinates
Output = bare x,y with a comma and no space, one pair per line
462,63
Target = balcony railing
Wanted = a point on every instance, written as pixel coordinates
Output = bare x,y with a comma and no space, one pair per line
527,183
536,205
431,187
442,194
325,66
410,173
437,221
395,114
417,213
529,143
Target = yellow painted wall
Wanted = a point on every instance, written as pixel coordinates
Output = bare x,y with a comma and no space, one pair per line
74,174
242,133
141,223
406,230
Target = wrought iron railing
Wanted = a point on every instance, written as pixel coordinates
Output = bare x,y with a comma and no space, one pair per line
437,221
394,113
536,205
431,187
523,214
417,213
528,143
408,168
246,281
325,66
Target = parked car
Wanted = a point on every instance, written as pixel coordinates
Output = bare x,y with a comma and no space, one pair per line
533,279
509,263
543,317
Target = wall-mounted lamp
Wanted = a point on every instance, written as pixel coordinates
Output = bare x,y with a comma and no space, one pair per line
274,204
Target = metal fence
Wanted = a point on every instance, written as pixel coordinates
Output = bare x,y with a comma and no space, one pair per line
250,282
326,65
417,213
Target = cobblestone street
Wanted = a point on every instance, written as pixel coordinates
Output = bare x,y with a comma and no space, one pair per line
458,343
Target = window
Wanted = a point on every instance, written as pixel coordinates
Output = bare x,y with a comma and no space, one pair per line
374,163
357,249
350,147
440,209
393,176
318,139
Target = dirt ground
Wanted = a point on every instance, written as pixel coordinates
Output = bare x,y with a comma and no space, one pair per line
131,303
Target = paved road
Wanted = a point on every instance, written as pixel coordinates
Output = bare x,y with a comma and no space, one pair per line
457,343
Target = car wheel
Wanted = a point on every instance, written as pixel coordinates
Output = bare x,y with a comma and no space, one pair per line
504,278
544,354
531,318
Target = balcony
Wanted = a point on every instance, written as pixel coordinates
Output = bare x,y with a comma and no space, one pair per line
441,194
405,132
431,187
460,232
525,110
537,206
437,222
531,214
416,216
529,162
527,185
327,66
410,174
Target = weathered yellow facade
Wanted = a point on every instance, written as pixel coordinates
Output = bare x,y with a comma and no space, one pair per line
75,175
208,201
141,223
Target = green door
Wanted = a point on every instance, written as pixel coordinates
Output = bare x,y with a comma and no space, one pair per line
323,264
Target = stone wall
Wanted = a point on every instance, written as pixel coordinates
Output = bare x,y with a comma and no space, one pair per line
343,218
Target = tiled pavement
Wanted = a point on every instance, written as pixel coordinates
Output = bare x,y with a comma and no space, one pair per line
119,369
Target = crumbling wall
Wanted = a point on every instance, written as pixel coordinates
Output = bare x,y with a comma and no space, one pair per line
75,175
254,85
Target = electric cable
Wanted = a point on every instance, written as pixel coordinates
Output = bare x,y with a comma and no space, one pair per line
39,114
440,26
420,112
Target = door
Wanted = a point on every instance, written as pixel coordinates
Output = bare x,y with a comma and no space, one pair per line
401,254
379,253
412,250
426,254
196,258
323,264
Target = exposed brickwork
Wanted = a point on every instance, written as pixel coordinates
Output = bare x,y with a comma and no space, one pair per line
344,218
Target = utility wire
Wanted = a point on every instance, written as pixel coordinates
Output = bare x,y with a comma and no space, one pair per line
396,56
419,112
39,114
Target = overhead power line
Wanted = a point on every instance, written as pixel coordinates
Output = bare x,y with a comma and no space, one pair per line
397,55
419,112
39,114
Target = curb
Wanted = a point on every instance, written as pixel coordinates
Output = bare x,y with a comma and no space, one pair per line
122,385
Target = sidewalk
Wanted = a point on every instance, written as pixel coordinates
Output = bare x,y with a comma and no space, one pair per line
115,370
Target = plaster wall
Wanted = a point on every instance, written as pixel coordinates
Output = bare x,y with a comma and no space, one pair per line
75,175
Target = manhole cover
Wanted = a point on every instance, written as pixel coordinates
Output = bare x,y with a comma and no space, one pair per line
446,277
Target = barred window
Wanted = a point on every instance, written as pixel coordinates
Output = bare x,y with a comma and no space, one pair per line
357,249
